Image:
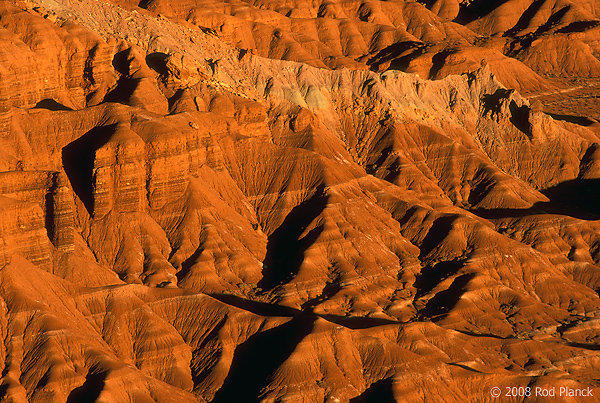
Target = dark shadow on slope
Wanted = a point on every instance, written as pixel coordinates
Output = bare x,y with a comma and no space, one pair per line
187,264
518,45
90,390
553,21
358,322
202,366
266,309
439,230
470,11
383,156
578,120
121,61
398,54
329,291
393,170
578,26
213,334
145,4
444,301
525,18
408,215
178,96
578,198
78,161
492,214
465,367
255,360
157,61
519,117
286,246
126,85
51,105
493,102
482,184
439,60
569,325
378,392
49,216
493,336
431,276
258,308
123,91
586,346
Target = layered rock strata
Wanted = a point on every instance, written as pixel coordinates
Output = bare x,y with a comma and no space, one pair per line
250,202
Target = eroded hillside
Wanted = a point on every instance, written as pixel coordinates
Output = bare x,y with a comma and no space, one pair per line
262,202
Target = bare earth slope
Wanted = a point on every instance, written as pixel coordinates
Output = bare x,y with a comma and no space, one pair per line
262,202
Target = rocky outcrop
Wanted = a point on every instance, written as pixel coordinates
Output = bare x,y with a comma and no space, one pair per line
23,233
50,191
251,202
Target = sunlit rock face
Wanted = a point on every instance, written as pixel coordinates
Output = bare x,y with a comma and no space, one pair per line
298,202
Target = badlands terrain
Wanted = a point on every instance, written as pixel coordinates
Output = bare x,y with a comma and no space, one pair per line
336,201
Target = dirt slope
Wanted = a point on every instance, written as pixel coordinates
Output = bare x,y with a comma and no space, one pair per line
261,202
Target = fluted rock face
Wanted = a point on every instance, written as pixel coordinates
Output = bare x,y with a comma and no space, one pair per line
118,174
59,213
42,60
250,202
24,233
50,191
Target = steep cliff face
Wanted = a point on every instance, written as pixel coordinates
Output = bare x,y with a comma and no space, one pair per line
252,202
525,42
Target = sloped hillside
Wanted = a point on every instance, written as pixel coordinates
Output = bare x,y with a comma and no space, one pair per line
304,202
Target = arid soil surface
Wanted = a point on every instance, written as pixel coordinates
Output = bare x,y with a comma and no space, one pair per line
338,201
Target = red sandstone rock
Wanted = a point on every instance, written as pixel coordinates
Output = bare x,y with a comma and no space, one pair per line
218,202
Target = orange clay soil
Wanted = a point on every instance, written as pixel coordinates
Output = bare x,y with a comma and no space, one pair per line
291,201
